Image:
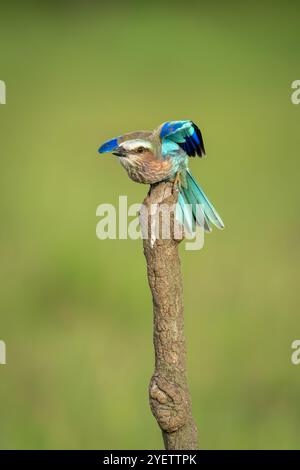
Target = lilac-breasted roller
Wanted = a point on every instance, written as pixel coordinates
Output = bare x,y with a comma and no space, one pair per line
163,155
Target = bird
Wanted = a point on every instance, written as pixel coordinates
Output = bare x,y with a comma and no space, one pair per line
151,157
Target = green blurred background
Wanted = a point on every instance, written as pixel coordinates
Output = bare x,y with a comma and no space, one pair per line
76,311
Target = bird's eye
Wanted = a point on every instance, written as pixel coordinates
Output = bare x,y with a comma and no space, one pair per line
140,149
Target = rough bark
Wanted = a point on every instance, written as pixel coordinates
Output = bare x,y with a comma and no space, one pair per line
169,395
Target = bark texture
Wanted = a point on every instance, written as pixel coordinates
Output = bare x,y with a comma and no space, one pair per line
169,395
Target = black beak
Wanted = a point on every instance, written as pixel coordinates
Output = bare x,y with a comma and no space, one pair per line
120,152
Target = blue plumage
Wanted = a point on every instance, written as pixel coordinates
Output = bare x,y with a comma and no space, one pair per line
186,134
109,146
170,127
196,197
162,155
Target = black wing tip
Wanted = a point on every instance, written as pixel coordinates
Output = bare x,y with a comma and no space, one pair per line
200,148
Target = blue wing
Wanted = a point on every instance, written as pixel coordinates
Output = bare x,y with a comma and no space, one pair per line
186,134
109,146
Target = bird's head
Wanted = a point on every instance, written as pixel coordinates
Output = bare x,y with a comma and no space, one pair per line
134,149
130,147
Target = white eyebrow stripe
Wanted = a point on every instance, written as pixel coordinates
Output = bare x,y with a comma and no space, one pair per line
133,144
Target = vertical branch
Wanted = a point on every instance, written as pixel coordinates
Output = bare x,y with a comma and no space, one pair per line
168,391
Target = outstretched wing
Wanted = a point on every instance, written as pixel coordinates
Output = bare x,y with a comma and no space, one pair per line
109,146
184,133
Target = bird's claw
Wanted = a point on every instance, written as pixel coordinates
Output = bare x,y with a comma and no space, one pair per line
177,183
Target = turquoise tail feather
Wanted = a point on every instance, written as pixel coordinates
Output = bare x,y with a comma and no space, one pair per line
200,210
184,214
